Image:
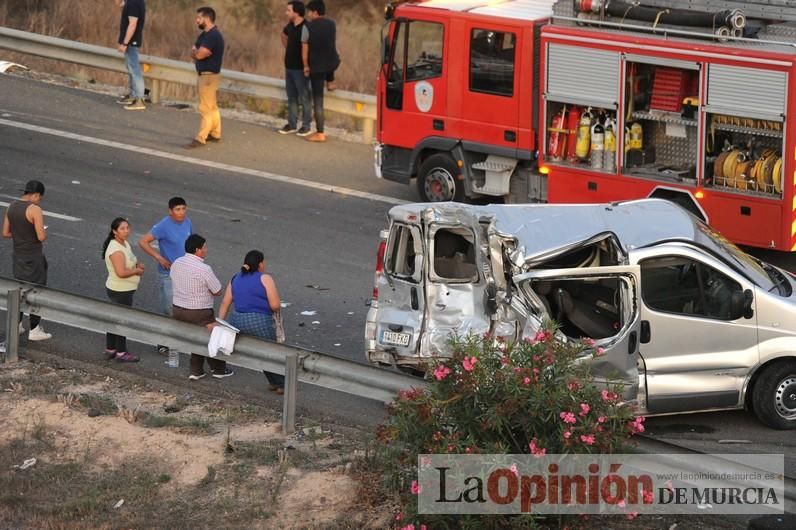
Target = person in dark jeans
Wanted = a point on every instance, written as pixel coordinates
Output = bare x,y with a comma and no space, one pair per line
131,29
296,85
24,224
320,60
124,274
255,297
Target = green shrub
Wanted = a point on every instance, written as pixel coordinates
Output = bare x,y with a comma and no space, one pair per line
532,397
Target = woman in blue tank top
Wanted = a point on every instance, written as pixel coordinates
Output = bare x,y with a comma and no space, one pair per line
254,295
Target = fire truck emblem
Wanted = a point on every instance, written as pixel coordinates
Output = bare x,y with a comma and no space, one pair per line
424,96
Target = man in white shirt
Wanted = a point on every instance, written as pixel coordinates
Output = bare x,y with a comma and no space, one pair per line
195,286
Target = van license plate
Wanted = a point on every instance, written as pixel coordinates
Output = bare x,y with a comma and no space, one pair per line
396,339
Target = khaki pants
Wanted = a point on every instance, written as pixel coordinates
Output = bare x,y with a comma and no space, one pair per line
207,86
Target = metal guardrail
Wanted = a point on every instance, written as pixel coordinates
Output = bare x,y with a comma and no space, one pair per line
158,70
93,315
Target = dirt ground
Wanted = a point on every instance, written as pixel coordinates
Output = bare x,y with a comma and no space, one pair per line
111,452
84,446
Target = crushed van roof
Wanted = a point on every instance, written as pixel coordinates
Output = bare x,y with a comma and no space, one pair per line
516,9
542,228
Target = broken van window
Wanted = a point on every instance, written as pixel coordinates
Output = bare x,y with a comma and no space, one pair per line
454,255
401,257
583,307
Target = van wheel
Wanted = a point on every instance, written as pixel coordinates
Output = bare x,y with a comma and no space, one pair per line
437,179
774,396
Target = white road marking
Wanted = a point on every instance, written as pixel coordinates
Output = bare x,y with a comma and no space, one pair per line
51,214
205,163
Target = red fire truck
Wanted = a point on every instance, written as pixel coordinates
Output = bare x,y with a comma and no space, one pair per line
597,101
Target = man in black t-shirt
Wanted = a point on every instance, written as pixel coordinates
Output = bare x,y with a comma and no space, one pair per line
131,29
208,54
320,59
296,85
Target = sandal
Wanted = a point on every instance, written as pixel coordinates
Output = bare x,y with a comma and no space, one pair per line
109,354
125,357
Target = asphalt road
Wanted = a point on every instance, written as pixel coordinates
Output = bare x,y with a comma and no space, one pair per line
99,161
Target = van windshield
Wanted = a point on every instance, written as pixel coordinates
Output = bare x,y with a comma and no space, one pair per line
746,264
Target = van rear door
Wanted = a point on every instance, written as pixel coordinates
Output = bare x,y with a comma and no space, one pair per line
401,307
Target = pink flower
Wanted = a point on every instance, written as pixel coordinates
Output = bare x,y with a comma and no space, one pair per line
588,439
648,496
589,342
416,488
542,336
601,419
535,450
469,363
468,450
399,516
514,470
599,352
504,360
423,527
621,503
537,358
526,381
536,372
609,396
441,372
573,385
632,515
584,409
408,527
637,425
568,417
567,434
517,369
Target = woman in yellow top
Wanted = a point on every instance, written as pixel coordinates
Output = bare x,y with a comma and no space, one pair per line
124,273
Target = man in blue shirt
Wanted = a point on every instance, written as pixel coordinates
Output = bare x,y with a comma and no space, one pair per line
170,233
207,54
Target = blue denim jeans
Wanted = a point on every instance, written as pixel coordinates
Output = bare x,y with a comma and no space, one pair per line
166,293
298,92
134,72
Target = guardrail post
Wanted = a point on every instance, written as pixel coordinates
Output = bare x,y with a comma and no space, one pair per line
154,93
289,405
12,325
367,130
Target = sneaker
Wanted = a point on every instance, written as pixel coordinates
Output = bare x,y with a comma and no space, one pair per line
38,333
213,139
126,100
163,350
227,373
137,104
304,131
287,129
125,357
194,144
109,354
193,377
317,137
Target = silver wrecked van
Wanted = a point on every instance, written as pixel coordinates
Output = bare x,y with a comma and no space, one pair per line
688,321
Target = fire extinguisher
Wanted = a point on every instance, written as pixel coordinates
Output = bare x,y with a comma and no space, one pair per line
573,118
609,156
635,137
583,142
554,145
597,144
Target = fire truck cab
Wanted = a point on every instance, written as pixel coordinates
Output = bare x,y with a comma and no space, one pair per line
588,101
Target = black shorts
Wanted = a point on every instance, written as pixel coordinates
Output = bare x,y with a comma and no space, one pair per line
31,269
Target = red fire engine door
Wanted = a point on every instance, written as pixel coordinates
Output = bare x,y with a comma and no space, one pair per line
413,100
491,97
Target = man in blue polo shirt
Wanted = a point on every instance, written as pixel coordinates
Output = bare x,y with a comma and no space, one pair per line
170,233
207,54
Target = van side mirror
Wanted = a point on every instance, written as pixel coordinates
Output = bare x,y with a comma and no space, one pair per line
741,305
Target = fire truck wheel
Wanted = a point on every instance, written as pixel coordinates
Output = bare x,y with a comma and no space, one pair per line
774,396
436,179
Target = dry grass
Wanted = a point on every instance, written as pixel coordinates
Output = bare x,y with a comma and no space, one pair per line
251,29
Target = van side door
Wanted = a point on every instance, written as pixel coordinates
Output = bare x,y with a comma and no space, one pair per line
401,306
696,355
600,303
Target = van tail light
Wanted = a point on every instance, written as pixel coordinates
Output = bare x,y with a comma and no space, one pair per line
379,268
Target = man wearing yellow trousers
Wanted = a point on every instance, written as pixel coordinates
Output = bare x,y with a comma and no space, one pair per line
207,54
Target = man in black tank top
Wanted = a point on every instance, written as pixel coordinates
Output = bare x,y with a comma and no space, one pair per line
24,224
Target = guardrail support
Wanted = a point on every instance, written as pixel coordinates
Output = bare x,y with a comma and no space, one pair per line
12,325
289,405
367,130
154,92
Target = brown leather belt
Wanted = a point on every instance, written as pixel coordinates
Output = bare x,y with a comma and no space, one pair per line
208,73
